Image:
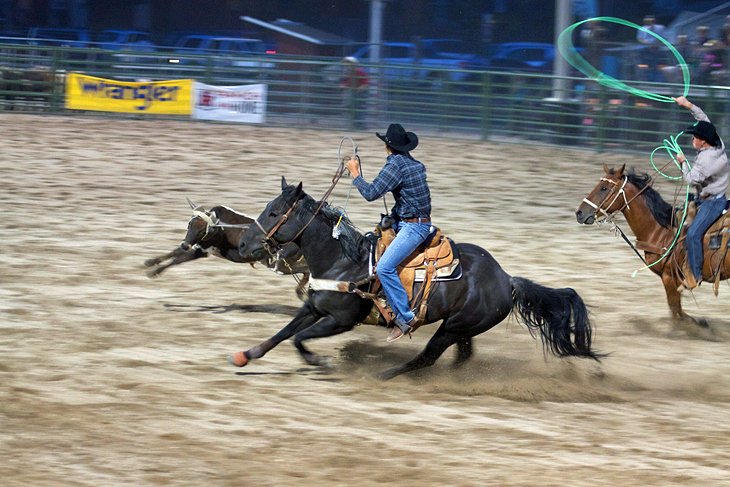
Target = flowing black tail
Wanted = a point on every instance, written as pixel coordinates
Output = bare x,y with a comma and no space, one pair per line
557,314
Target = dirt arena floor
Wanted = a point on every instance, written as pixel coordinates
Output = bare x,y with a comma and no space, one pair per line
110,378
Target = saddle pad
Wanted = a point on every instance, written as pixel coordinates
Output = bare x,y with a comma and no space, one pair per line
451,272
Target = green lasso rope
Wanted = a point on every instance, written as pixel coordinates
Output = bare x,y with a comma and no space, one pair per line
672,148
570,53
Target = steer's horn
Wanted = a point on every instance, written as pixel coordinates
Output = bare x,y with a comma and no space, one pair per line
192,205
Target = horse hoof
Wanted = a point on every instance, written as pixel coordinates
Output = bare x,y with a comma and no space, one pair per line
238,359
386,375
318,361
150,262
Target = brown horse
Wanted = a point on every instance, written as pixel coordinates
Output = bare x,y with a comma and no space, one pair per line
654,222
217,232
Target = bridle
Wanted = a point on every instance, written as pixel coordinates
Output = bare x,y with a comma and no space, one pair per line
618,193
211,222
269,242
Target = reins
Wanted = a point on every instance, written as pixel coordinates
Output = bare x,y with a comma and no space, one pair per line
268,240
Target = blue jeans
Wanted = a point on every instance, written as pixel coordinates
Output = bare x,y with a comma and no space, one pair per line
707,212
408,237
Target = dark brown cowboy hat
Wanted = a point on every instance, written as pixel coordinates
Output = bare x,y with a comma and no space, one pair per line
705,131
397,138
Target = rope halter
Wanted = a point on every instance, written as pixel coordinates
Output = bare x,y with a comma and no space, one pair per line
620,192
210,219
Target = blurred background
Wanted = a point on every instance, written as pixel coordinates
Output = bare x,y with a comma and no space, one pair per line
474,22
485,69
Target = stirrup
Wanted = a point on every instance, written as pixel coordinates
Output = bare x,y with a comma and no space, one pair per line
396,333
689,283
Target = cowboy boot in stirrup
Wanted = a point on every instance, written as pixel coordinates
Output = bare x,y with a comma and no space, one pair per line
397,332
690,282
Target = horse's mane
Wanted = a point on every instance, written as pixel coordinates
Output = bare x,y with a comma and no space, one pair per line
662,211
352,241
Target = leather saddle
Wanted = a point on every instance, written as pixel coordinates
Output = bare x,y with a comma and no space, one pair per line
716,243
719,227
436,259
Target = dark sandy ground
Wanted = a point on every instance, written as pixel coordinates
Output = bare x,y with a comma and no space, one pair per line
110,378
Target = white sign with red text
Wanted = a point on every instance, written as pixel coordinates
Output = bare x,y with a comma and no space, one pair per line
246,103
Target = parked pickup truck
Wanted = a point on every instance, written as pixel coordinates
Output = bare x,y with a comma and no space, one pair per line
424,61
228,51
124,40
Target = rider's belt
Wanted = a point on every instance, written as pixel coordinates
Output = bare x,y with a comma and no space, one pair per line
416,220
710,196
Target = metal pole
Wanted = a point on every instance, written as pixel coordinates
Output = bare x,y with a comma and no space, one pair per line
376,30
560,65
375,40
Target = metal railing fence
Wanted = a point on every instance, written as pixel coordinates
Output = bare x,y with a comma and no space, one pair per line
303,91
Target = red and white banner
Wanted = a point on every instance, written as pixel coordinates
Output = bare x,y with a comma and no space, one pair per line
246,103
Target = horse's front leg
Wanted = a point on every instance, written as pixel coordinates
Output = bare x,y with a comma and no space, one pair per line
326,327
302,287
674,300
674,297
306,317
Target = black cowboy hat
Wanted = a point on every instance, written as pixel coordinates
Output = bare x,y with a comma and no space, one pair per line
705,131
397,138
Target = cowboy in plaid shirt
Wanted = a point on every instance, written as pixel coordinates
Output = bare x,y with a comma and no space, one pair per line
405,177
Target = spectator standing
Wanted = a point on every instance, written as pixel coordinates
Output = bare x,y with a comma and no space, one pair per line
593,38
650,54
673,73
355,82
725,30
704,55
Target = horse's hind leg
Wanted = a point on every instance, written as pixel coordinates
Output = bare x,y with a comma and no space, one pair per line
464,351
439,342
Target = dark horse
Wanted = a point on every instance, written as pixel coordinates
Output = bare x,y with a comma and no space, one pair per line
653,222
217,232
483,297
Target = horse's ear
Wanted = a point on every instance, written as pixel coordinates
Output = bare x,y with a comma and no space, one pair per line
192,205
605,168
621,170
283,183
299,189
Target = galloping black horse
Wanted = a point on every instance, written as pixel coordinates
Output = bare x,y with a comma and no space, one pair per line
483,297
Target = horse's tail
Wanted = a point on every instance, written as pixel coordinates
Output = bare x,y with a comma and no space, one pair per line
556,314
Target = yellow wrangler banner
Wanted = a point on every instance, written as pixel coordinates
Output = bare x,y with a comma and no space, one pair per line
172,97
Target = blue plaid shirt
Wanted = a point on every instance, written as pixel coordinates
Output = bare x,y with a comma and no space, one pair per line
405,177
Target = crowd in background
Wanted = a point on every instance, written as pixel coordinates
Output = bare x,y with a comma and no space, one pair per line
706,53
